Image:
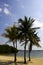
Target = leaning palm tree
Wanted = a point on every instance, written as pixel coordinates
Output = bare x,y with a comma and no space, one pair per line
25,29
11,34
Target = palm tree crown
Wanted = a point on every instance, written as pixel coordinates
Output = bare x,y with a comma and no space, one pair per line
11,33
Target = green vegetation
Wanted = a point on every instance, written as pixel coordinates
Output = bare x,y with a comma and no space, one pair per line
6,49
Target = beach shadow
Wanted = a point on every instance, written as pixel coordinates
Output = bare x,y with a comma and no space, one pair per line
21,63
15,63
10,62
6,63
29,62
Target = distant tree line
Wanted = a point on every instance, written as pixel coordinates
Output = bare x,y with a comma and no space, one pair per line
6,49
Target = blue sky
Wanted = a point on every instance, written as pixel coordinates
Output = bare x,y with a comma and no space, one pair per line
12,10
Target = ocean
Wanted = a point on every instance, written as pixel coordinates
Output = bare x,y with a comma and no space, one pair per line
34,53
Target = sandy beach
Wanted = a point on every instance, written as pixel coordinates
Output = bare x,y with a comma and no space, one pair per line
8,60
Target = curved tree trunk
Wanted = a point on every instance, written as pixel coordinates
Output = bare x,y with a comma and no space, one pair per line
30,49
25,53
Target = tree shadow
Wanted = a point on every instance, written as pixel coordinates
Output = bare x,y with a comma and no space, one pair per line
10,62
29,61
20,63
6,63
15,63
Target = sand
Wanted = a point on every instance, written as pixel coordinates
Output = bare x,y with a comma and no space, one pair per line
8,60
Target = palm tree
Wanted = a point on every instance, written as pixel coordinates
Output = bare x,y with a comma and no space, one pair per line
34,41
11,33
25,30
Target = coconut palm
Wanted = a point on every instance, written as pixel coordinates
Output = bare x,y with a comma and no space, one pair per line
23,33
11,34
25,30
34,41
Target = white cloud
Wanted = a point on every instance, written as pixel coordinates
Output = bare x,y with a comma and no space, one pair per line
6,5
6,11
0,9
38,24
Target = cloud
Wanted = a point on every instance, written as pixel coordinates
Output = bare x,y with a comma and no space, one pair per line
38,24
6,5
0,9
6,11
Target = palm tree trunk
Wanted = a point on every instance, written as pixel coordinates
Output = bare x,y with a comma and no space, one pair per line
15,58
14,53
25,53
30,49
29,56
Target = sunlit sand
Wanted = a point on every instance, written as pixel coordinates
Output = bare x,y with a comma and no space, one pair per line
8,60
